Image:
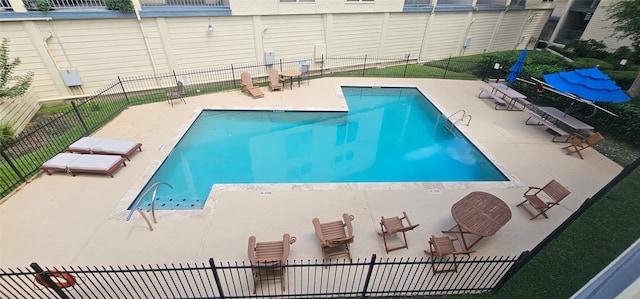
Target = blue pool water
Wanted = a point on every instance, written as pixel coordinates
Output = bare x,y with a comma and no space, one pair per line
388,135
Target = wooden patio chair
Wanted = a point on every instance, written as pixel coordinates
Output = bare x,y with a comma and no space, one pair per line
248,87
275,83
553,192
441,247
579,143
393,225
268,259
177,93
334,240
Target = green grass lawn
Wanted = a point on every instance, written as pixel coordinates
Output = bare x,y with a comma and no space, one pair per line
595,239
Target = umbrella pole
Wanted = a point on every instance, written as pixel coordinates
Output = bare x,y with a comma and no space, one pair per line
592,113
568,109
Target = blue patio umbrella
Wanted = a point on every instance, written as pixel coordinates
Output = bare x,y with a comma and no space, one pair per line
517,67
589,84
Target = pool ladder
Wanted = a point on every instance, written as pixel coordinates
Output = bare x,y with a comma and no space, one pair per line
136,204
450,123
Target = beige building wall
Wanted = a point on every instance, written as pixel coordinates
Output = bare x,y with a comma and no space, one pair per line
510,25
600,28
481,32
271,7
19,111
30,49
103,49
536,19
403,34
445,32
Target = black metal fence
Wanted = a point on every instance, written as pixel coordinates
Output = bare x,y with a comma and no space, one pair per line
300,279
20,160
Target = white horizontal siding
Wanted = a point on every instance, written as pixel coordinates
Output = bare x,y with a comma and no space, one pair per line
445,34
535,23
597,30
22,46
101,50
355,34
508,33
19,111
272,7
232,41
481,32
292,37
404,34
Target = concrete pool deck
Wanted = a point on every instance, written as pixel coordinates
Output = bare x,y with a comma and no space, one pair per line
62,220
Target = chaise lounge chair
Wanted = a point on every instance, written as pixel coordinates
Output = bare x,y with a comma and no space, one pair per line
333,238
553,192
268,259
579,143
248,87
75,163
94,145
275,83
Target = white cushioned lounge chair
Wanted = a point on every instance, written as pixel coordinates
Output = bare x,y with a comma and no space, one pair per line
95,145
73,163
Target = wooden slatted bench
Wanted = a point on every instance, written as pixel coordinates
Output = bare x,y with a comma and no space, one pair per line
543,122
498,100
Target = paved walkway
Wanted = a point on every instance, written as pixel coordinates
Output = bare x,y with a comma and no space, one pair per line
63,220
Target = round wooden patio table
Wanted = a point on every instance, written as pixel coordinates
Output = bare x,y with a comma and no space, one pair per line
479,213
291,74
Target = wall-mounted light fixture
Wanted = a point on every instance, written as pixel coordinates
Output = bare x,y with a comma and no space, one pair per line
210,28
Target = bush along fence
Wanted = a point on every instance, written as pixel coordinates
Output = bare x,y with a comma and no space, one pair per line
20,159
297,279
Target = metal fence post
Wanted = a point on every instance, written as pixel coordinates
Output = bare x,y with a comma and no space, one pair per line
15,169
364,65
216,277
517,265
175,76
368,278
446,68
124,92
233,77
322,66
525,258
47,279
487,69
406,65
84,125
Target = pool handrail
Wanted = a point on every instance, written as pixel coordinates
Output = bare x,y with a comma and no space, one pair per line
134,206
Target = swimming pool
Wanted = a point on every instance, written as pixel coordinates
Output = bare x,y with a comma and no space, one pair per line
389,135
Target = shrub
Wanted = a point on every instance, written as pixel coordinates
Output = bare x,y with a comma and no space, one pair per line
623,78
587,48
588,62
7,135
42,5
121,5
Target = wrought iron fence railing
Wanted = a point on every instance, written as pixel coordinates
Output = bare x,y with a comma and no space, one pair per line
20,159
300,279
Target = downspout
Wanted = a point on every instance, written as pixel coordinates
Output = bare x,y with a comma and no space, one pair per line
146,42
